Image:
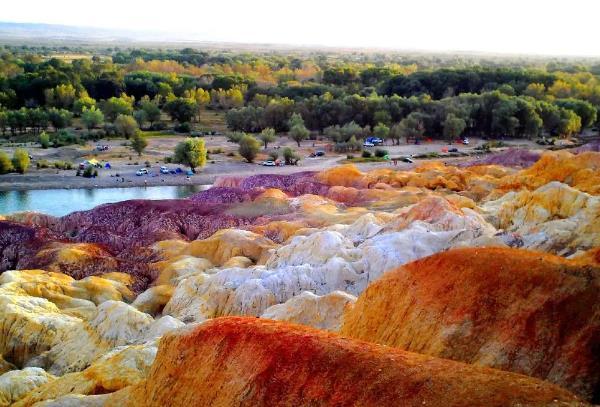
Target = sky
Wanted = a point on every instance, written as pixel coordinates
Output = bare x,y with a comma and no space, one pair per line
567,27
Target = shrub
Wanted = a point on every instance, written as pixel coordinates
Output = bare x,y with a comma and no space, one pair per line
366,154
273,155
185,127
168,160
20,160
42,164
218,150
63,165
249,147
235,137
290,157
44,140
126,126
349,157
158,126
5,163
379,153
88,172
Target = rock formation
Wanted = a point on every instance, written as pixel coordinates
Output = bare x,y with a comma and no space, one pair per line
510,309
247,361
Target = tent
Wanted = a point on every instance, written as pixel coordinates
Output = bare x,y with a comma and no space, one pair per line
107,166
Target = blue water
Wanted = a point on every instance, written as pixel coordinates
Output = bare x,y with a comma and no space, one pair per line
59,202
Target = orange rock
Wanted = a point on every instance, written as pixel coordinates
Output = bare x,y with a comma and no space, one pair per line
511,309
345,175
581,171
253,362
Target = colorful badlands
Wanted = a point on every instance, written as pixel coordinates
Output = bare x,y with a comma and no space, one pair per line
443,285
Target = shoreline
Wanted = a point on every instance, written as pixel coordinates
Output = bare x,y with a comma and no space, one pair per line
207,180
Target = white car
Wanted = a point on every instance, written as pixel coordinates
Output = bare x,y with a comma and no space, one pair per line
269,163
367,144
142,171
465,141
164,170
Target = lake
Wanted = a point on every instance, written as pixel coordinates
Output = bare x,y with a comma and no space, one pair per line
59,202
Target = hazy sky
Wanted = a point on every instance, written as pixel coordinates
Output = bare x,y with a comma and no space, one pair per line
510,26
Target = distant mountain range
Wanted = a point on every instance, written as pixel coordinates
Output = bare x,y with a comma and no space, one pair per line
54,32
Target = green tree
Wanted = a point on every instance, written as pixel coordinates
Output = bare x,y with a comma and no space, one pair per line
44,140
350,130
151,109
92,117
267,136
191,152
6,165
535,90
411,127
140,117
453,127
84,102
20,160
298,130
126,126
249,147
62,96
181,109
585,110
114,107
295,120
139,142
570,123
3,122
382,131
60,118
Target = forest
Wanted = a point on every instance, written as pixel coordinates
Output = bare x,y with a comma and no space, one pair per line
335,94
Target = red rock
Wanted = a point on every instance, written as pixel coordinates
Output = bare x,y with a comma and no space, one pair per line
253,362
511,309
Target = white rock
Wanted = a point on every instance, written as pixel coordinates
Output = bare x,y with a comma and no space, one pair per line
321,312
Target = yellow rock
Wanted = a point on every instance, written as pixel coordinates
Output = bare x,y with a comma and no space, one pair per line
115,370
29,326
154,299
62,289
114,324
238,261
16,383
228,243
169,271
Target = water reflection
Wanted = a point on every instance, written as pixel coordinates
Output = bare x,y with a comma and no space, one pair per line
59,202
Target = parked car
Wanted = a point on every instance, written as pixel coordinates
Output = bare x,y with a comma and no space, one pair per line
320,153
374,140
453,150
407,160
367,144
142,171
465,141
269,163
189,173
164,170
